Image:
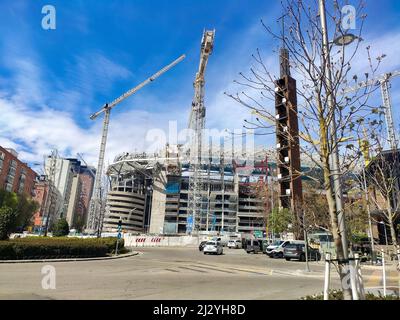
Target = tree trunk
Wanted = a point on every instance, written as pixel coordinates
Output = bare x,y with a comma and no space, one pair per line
344,271
390,215
392,231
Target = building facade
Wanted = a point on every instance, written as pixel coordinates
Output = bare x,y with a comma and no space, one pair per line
74,184
49,200
16,176
163,186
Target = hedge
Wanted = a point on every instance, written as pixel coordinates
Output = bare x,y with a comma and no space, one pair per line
338,295
57,248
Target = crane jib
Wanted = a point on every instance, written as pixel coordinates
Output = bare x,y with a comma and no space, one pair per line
135,89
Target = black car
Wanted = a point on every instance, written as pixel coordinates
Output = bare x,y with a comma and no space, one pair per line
202,245
297,251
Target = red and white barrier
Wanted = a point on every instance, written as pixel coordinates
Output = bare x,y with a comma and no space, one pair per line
160,241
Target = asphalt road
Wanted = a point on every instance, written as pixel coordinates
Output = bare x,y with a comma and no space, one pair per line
166,273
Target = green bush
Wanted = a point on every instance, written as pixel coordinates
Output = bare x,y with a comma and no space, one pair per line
61,228
56,248
338,295
7,222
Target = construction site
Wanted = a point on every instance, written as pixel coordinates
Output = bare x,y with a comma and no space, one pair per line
200,187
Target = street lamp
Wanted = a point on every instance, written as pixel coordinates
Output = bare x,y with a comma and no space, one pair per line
346,39
342,40
336,174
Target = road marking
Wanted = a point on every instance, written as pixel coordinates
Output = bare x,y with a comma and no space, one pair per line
172,270
191,269
213,268
216,267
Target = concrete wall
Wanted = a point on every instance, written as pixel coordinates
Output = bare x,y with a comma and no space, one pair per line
158,203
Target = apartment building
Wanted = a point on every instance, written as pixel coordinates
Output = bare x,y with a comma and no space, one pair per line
15,175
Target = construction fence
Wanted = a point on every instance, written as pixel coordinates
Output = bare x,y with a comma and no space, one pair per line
161,241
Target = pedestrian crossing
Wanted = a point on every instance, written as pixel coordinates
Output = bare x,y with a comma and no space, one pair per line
213,269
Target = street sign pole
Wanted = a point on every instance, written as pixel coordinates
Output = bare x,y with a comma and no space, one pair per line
119,235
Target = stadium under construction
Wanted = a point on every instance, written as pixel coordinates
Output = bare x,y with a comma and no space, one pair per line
150,193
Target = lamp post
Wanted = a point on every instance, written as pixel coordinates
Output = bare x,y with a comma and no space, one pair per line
335,152
336,174
343,41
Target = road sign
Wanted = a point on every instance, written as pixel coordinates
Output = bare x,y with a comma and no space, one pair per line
258,234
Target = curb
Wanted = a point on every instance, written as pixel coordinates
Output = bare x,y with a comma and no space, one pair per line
127,255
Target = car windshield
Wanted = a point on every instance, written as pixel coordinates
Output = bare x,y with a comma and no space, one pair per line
277,243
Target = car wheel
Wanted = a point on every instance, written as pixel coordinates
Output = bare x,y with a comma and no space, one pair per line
279,255
287,259
302,257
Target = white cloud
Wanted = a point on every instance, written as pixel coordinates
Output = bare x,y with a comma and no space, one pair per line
53,121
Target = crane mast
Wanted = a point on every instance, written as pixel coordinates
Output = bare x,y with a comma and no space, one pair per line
95,207
196,124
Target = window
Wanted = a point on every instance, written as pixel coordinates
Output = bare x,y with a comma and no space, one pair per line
22,179
11,175
2,156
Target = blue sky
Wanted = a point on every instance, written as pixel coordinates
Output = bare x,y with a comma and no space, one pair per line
52,80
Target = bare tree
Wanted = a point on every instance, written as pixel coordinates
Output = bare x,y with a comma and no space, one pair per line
301,35
382,175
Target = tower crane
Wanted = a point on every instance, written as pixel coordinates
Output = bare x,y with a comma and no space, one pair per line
384,82
94,222
196,125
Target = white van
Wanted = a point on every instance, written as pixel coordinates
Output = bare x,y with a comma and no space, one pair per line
275,250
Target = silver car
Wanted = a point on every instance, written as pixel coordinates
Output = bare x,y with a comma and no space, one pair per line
213,247
235,244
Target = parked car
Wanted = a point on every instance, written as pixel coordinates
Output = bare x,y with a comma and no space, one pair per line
297,251
275,250
253,246
213,247
235,244
222,240
202,245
